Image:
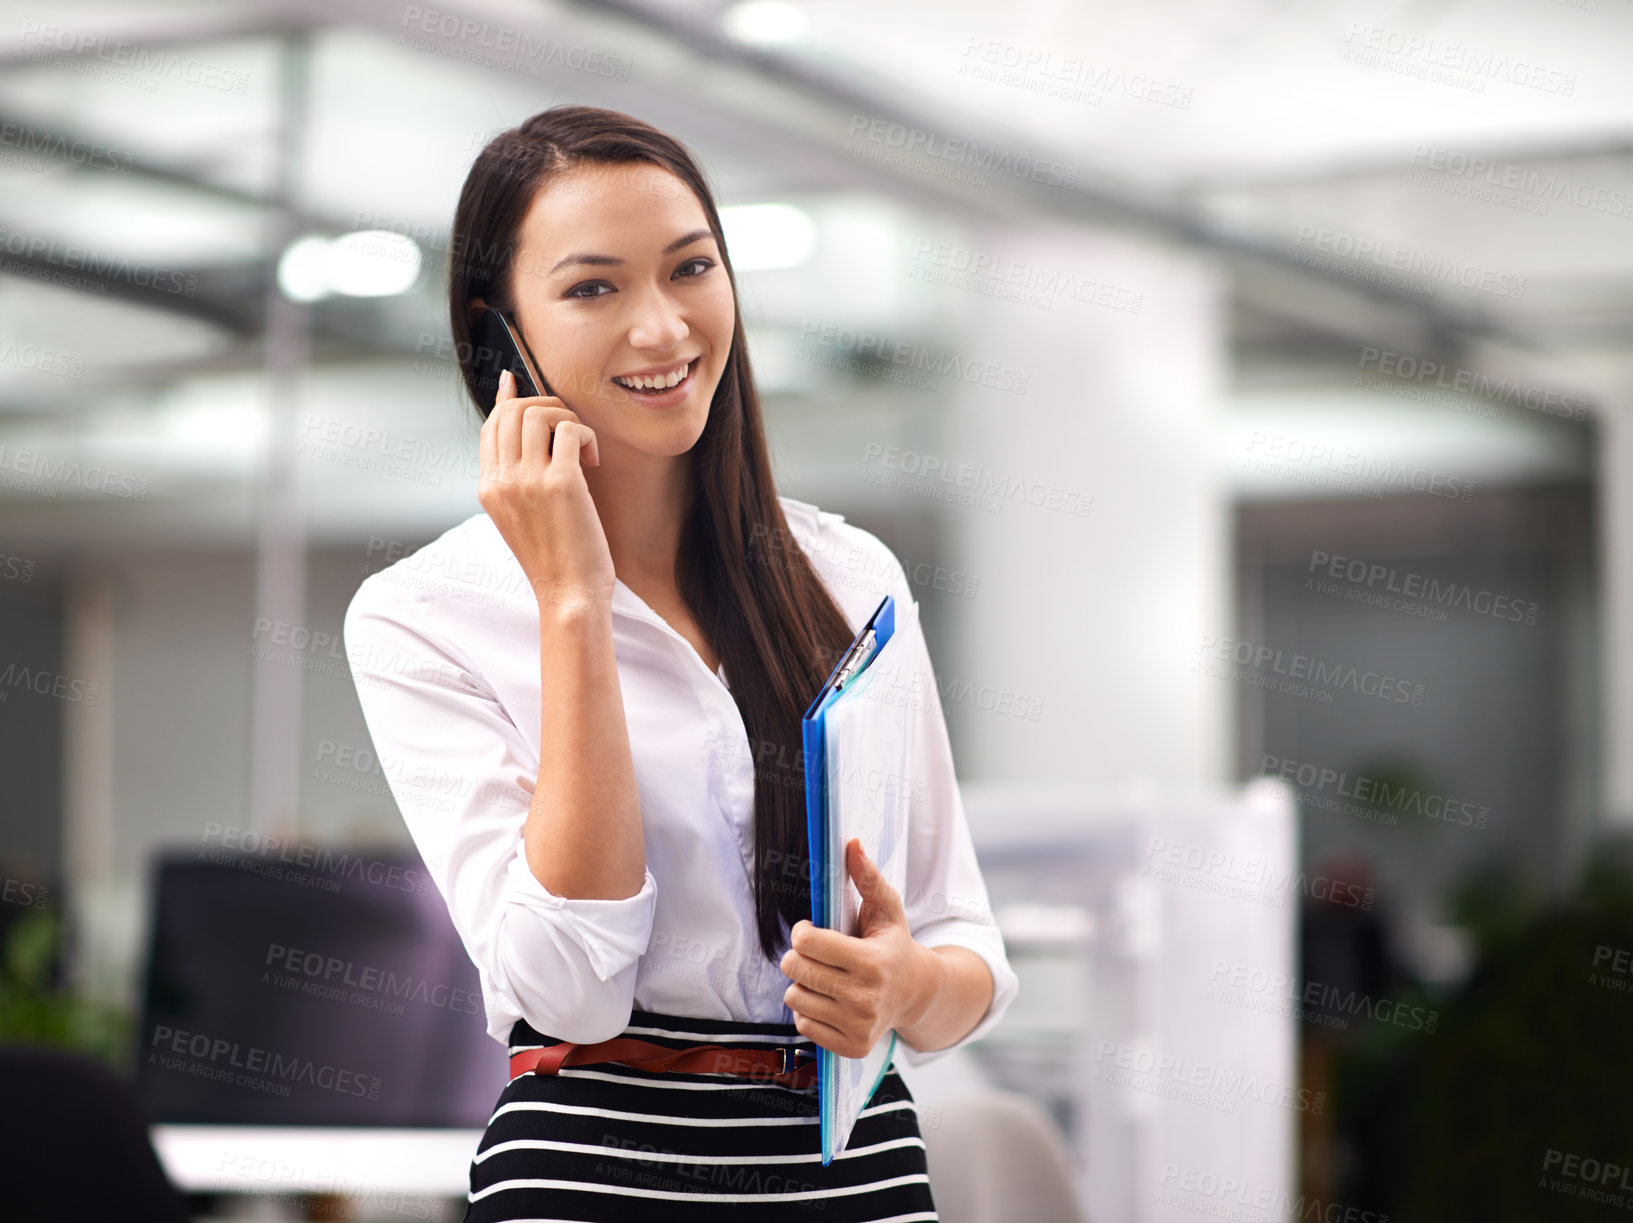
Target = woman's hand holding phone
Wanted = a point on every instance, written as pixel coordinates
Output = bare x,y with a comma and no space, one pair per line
582,835
532,485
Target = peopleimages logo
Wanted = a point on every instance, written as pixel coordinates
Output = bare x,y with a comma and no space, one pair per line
75,258
1181,1078
1311,1001
914,141
1385,254
1209,869
1362,576
1286,455
46,683
81,48
21,892
964,267
227,1060
32,463
429,29
861,347
1406,369
1470,66
1240,1201
1043,71
980,480
59,148
1585,1177
267,848
1611,966
41,360
1377,792
1322,674
344,980
1522,180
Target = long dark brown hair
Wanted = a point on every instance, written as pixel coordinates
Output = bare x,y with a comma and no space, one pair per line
751,588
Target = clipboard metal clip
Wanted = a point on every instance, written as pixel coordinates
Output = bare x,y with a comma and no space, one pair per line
860,652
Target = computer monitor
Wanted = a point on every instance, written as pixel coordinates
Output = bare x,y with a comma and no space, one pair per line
310,985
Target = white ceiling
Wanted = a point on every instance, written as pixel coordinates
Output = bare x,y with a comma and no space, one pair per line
1263,138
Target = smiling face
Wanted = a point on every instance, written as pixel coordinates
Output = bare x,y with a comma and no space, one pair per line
617,275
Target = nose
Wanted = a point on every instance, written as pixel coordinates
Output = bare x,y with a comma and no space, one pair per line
656,322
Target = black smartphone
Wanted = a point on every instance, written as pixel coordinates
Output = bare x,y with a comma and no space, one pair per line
497,345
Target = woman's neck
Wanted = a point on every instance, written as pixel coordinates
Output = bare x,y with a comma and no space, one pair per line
642,501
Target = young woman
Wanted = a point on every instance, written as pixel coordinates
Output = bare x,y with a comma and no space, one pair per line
587,699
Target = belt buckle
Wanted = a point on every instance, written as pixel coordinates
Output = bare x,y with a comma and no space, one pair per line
789,1053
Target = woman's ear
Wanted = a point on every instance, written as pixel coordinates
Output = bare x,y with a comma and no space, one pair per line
473,310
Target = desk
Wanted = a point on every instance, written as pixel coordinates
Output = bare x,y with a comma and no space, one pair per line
316,1159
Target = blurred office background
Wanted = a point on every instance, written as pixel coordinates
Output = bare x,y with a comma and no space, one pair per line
1247,390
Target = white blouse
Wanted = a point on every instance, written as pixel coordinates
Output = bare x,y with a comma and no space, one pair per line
444,650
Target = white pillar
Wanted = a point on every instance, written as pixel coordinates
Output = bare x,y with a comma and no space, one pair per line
1100,617
1616,577
280,547
104,900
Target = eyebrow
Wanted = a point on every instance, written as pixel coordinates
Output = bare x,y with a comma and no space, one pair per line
602,260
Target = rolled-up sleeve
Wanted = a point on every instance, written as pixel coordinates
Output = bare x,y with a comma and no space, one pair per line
458,767
945,895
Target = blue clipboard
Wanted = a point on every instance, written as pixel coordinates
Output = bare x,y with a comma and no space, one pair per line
867,643
871,638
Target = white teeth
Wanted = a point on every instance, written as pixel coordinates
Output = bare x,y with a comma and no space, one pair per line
656,384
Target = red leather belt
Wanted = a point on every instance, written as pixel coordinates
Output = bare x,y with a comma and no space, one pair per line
771,1065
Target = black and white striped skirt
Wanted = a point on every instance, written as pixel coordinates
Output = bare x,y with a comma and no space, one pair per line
608,1142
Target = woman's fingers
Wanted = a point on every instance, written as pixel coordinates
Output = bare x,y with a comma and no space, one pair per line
487,451
586,453
825,1034
569,444
817,1006
525,436
508,440
815,975
534,493
827,946
536,425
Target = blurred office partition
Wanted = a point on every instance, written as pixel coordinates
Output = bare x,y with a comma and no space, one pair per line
1155,941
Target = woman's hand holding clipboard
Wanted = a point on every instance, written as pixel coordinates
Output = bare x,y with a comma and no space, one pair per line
858,973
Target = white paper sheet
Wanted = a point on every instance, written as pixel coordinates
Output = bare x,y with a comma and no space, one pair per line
869,741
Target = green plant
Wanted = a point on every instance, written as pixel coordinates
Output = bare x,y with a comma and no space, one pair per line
34,1011
1524,1082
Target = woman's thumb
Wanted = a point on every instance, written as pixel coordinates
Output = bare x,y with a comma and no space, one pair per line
870,880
